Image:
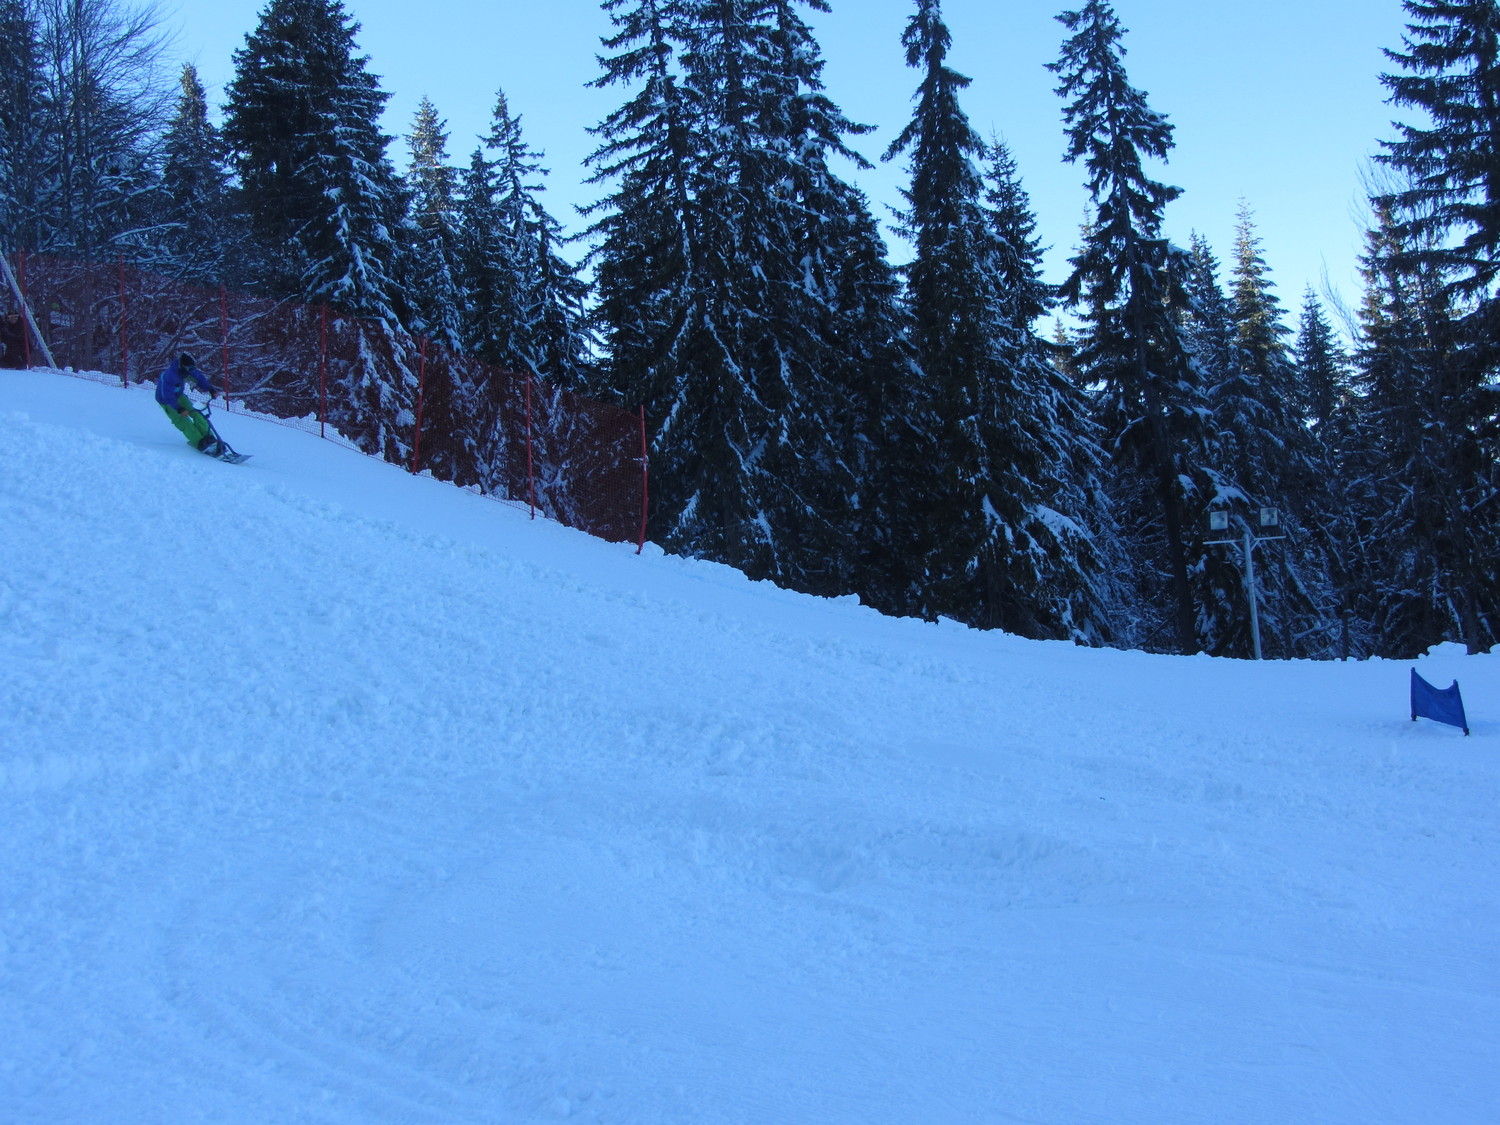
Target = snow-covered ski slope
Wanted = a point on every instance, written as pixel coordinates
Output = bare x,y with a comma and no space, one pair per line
330,794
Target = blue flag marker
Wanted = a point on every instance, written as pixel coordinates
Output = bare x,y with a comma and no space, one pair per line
1442,705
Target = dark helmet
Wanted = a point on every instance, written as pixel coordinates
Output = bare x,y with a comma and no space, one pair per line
185,362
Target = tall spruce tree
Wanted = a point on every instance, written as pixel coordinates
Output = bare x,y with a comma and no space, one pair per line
432,258
739,390
1041,414
729,262
1274,462
1258,315
648,151
1410,537
1231,394
483,279
880,384
198,228
324,205
1329,409
1322,365
497,256
542,326
1209,328
524,303
822,315
662,272
521,303
323,201
486,293
1005,544
1125,284
1446,226
458,415
22,116
951,290
1448,211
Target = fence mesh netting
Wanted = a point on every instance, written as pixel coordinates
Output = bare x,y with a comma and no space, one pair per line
412,403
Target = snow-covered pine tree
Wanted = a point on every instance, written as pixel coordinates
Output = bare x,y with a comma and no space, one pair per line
822,324
1006,545
524,303
431,261
731,432
545,327
1401,593
198,228
486,287
1125,284
951,295
521,303
22,110
324,203
729,259
1328,407
1449,207
1275,463
1263,458
648,149
654,303
457,415
1322,366
485,295
881,387
1208,323
1043,415
322,198
1259,319
1414,539
1446,220
1232,393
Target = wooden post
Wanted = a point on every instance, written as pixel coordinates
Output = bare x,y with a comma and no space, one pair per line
416,444
323,374
645,481
530,468
224,343
25,308
124,327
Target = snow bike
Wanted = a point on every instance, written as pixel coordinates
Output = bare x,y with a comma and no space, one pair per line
226,451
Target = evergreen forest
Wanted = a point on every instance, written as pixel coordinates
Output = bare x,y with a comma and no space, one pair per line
820,416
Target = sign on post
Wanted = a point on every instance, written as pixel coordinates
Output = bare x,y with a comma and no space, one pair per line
1270,520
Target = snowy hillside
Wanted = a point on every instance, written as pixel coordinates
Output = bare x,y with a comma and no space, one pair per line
335,795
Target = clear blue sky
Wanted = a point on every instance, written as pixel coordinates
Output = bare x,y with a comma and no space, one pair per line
1276,102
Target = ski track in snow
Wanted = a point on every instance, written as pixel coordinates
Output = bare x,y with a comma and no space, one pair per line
336,795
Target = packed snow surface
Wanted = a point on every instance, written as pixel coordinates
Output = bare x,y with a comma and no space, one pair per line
333,794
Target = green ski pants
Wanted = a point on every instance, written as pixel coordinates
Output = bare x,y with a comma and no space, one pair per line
193,425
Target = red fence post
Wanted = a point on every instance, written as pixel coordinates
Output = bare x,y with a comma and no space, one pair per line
645,481
416,444
323,376
124,333
25,304
224,343
530,470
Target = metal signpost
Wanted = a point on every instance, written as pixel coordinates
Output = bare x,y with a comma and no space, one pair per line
1270,520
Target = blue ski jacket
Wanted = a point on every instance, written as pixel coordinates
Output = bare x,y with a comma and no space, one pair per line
170,383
